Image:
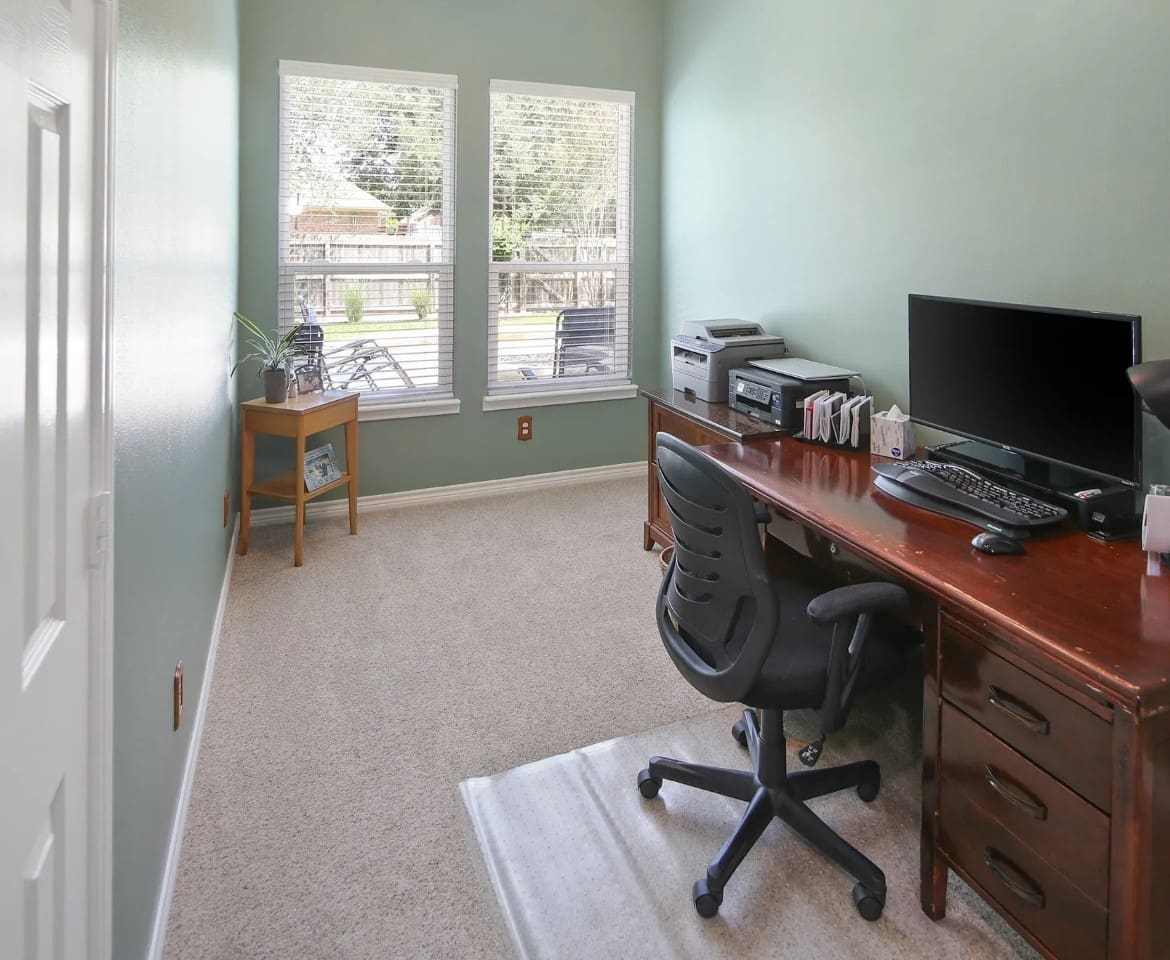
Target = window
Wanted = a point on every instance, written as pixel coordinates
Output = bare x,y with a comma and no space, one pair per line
367,227
559,297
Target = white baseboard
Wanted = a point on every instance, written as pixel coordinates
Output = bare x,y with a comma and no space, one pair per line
162,912
459,491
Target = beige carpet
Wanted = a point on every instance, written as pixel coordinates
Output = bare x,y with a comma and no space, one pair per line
353,695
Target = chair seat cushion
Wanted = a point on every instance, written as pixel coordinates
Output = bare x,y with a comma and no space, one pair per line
794,676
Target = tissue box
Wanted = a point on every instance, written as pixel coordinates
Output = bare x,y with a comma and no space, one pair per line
891,434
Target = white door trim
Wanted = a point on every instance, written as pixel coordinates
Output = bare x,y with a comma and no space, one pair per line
101,683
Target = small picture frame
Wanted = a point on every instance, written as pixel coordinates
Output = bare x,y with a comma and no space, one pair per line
309,380
320,468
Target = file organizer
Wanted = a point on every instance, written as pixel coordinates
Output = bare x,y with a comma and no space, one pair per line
825,416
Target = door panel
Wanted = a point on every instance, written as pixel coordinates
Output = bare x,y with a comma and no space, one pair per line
47,74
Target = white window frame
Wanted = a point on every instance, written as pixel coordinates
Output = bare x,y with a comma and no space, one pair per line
577,389
382,404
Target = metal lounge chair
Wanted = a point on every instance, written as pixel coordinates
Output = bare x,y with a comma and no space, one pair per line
347,363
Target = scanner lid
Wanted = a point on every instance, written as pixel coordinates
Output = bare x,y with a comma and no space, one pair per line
725,329
803,369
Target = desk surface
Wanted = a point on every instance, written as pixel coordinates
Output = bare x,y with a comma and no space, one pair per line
302,403
1085,605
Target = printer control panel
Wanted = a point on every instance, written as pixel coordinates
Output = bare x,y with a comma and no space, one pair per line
756,392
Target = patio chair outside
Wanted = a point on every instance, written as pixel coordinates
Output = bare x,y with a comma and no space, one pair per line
585,337
348,363
310,338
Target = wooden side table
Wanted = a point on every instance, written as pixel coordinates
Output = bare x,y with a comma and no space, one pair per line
299,418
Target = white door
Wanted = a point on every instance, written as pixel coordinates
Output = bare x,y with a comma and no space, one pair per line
47,311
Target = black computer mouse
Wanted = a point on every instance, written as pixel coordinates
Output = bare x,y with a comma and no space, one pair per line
996,543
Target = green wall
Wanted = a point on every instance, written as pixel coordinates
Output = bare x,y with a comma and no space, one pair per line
605,43
175,221
842,155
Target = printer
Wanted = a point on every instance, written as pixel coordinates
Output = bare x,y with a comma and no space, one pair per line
706,351
774,390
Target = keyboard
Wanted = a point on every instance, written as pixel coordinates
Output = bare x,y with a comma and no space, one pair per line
958,492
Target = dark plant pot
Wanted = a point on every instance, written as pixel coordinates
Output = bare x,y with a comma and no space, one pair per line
275,385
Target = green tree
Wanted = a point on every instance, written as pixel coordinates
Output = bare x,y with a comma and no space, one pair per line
386,139
555,181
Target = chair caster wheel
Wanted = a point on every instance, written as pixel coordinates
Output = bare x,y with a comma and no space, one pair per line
707,901
869,904
648,784
740,734
869,790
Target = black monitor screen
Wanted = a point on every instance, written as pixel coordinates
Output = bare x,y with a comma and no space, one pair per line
1042,381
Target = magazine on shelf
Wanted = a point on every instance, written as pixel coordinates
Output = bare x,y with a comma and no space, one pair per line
320,468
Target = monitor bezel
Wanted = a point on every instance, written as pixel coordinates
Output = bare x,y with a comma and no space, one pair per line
1135,323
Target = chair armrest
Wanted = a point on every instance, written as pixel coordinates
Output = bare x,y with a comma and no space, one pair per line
851,601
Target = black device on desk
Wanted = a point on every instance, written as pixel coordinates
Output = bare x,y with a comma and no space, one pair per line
1043,395
775,397
963,494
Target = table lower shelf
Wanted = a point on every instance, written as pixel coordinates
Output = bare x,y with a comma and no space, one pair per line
283,486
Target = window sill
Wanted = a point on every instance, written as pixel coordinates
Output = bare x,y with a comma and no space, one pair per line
549,398
376,409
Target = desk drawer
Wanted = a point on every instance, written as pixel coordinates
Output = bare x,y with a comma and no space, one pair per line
1069,832
1047,727
1023,884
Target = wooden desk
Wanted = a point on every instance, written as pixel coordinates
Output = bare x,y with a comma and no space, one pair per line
299,418
1047,673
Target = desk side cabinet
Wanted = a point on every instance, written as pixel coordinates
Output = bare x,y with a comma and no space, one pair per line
1048,797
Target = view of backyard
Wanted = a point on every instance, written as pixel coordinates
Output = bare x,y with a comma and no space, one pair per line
368,234
355,354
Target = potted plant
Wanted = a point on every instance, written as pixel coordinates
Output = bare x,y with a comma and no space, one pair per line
273,353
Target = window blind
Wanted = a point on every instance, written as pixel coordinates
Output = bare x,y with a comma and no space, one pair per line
559,294
367,226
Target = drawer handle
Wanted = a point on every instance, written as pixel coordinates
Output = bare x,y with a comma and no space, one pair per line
1017,797
1013,878
1019,712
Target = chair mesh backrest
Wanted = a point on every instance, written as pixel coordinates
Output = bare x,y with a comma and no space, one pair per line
717,591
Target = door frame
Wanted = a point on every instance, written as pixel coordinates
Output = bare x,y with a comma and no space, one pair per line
101,533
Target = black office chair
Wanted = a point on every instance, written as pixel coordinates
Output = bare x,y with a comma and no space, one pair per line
585,337
737,632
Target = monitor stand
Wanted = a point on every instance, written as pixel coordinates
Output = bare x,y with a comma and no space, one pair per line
1017,470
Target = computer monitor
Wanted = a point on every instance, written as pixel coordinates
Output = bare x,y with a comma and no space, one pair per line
1040,382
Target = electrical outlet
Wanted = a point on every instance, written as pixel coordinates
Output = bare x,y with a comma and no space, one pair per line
524,427
227,505
177,691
